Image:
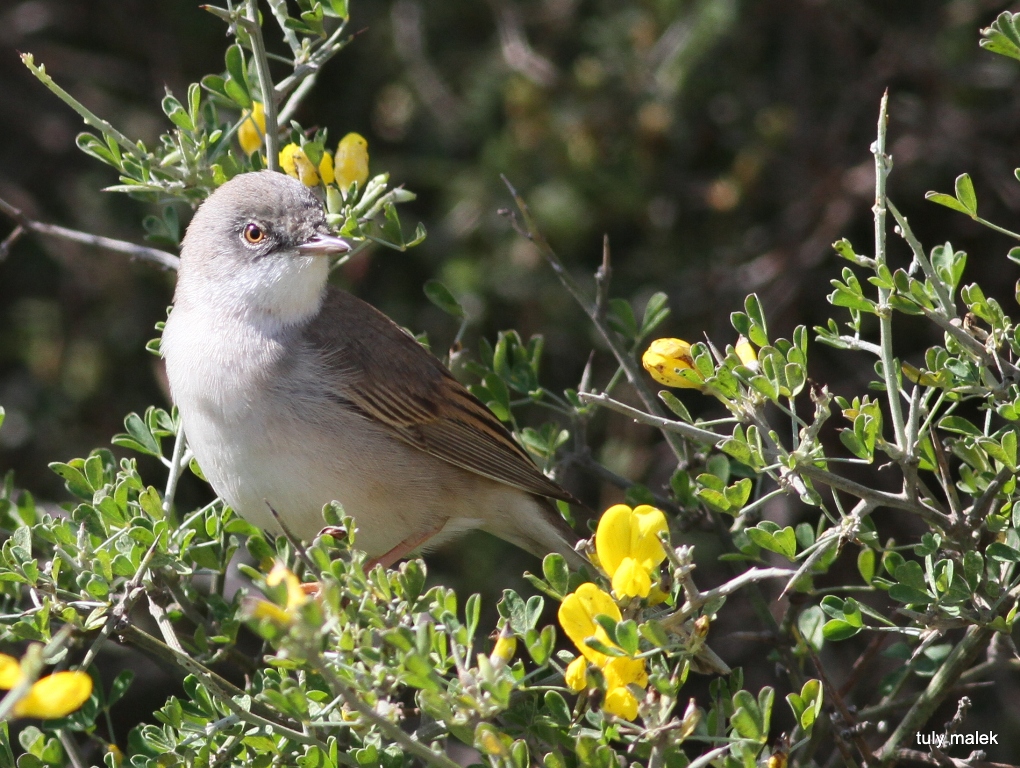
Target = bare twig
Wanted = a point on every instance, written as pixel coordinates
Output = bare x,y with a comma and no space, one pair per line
279,10
737,582
144,253
10,240
258,49
833,697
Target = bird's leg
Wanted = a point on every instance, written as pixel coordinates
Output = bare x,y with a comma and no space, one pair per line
404,548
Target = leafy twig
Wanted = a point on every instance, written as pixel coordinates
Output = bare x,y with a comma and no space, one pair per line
626,361
890,370
392,730
90,119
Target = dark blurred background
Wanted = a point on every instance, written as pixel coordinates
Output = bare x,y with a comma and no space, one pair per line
722,146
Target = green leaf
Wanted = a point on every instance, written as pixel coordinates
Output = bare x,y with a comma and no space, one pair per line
866,564
339,7
947,200
806,705
783,542
1002,36
811,625
965,193
959,425
139,437
656,311
911,574
440,295
513,608
674,404
1002,552
838,629
747,719
758,332
73,479
238,76
554,568
621,318
177,114
907,594
557,708
627,636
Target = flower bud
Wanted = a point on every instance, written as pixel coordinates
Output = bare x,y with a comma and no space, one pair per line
666,358
252,129
746,352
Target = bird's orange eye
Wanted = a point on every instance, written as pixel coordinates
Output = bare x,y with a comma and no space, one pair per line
254,234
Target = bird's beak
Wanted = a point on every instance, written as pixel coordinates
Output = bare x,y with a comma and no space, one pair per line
324,245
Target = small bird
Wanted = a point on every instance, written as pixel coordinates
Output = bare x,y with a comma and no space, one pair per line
294,393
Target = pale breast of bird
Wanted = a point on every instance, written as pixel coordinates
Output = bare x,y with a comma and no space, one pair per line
244,420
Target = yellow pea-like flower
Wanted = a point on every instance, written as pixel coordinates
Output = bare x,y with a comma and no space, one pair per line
53,696
252,131
666,358
746,352
621,702
295,163
10,672
56,695
628,547
577,617
620,673
118,754
624,670
351,161
296,595
257,608
576,675
326,168
504,650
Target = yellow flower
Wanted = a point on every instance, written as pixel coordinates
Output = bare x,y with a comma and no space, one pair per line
576,675
10,672
118,755
621,702
504,650
628,547
296,595
257,608
746,352
295,163
621,671
56,695
53,696
252,130
326,168
666,358
351,162
577,617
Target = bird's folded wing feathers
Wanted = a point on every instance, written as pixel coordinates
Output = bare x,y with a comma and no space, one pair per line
411,392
